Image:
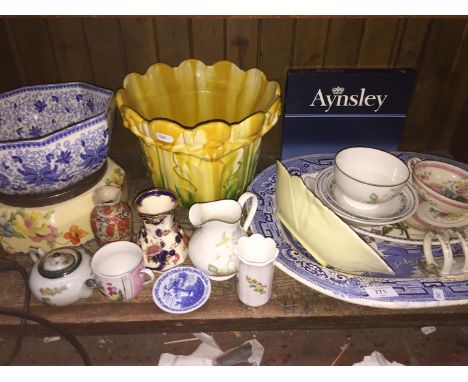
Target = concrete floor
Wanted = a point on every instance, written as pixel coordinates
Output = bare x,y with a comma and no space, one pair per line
445,346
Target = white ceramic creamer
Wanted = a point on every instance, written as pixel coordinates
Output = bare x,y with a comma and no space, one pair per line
212,245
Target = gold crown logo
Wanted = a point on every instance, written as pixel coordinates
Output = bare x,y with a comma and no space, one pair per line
338,90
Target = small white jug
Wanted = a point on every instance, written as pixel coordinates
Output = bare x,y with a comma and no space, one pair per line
212,245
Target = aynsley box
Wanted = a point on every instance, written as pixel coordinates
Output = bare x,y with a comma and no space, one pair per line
329,109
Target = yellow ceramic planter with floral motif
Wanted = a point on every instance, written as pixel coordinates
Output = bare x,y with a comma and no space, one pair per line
56,225
200,127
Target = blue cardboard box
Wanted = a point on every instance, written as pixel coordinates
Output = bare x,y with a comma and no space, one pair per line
326,110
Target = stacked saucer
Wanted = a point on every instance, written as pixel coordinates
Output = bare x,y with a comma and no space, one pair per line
354,213
443,191
429,218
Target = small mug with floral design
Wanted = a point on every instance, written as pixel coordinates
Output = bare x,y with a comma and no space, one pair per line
256,265
119,270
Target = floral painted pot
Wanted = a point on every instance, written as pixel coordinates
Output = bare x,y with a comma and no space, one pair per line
442,185
56,225
200,127
53,136
111,218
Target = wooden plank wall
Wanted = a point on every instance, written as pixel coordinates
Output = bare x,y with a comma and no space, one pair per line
102,50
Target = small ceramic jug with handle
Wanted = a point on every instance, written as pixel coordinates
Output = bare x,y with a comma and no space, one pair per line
212,245
161,238
111,218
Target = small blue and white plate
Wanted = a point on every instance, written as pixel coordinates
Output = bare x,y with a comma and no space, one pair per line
181,290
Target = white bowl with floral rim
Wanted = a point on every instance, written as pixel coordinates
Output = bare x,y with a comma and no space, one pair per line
442,185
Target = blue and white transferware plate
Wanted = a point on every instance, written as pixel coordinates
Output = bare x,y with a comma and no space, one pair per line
181,290
410,287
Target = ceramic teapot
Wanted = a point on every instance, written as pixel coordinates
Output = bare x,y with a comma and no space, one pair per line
212,245
61,276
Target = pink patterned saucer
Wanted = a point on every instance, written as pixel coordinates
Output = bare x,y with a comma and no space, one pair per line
429,218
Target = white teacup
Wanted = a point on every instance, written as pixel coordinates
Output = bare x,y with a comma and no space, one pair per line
370,176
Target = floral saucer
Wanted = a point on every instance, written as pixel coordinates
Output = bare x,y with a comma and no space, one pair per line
181,290
429,218
394,211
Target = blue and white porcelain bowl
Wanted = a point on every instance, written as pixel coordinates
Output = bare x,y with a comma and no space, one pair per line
53,136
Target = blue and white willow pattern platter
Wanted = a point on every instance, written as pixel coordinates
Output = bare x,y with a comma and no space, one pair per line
52,136
181,290
409,288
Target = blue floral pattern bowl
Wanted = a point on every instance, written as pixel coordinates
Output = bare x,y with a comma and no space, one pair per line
52,136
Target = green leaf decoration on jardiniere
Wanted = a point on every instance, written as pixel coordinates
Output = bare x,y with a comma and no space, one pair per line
182,168
233,162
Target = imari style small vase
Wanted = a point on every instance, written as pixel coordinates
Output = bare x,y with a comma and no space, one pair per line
162,240
111,218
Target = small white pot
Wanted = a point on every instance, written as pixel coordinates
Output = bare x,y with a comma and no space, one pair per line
61,277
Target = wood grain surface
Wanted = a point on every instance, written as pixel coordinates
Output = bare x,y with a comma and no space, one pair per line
106,51
173,40
242,42
139,43
71,49
209,40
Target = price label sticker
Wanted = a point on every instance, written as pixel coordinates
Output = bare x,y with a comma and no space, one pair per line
381,292
165,138
438,294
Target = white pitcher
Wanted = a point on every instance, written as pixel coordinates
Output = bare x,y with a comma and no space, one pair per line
212,245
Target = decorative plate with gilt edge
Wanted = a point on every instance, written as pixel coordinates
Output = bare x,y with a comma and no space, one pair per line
409,288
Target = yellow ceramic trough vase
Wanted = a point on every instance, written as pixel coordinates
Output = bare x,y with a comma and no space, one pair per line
200,127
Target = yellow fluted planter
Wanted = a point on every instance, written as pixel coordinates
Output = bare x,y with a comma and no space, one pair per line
200,127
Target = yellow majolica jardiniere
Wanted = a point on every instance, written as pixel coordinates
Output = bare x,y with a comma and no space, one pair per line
200,126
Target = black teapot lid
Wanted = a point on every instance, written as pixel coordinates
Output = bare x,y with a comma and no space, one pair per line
59,262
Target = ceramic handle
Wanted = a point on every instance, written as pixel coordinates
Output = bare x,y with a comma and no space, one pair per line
36,253
411,162
444,241
464,244
146,272
253,208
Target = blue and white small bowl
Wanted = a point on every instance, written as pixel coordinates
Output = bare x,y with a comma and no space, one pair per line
52,136
181,290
